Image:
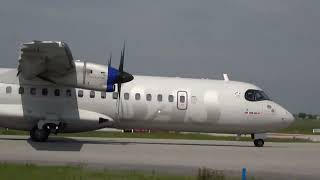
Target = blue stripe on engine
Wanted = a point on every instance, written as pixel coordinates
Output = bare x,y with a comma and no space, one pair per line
110,88
112,77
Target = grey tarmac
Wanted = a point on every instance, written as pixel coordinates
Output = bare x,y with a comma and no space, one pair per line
274,161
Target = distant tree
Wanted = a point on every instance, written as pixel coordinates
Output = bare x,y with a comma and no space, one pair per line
302,115
311,116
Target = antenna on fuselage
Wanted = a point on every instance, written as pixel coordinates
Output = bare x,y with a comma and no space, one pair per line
225,77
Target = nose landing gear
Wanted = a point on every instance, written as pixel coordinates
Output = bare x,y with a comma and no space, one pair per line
258,142
258,139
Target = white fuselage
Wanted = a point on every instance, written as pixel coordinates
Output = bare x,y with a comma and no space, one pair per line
158,103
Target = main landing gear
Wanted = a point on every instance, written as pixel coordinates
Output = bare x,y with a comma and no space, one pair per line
258,139
39,135
42,130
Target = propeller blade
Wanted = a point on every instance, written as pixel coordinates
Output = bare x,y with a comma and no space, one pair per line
18,73
122,58
119,100
123,77
119,90
110,60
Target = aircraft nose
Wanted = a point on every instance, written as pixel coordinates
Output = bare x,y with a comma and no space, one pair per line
287,117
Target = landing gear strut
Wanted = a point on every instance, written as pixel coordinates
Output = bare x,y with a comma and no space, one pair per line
258,139
39,135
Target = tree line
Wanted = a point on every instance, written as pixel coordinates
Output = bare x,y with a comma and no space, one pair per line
307,116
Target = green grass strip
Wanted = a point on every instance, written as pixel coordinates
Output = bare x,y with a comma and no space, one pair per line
34,172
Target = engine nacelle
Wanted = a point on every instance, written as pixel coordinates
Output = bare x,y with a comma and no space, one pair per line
91,76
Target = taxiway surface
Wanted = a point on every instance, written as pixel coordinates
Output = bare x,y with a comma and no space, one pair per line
285,160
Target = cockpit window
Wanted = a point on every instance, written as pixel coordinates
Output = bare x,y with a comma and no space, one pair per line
256,95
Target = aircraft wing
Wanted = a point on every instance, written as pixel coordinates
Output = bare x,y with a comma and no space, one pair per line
45,59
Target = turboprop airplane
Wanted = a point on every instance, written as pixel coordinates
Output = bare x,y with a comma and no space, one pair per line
50,92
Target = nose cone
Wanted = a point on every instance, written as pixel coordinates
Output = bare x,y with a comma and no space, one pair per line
289,117
286,116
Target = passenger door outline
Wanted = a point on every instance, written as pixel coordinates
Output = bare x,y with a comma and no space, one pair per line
182,104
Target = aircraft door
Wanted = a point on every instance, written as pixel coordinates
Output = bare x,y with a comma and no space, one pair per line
182,100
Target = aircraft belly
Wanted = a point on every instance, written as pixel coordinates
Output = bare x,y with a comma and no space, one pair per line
166,118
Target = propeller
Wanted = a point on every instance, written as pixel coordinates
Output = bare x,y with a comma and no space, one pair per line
120,76
123,76
117,76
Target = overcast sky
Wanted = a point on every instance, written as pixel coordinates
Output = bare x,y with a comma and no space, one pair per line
274,44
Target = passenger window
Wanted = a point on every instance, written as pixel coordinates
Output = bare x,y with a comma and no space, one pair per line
171,98
33,91
126,96
149,97
9,90
80,93
103,95
159,97
21,90
68,93
57,92
92,94
138,96
115,95
194,99
44,91
182,99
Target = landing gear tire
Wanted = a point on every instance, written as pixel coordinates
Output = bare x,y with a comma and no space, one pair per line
258,142
39,135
